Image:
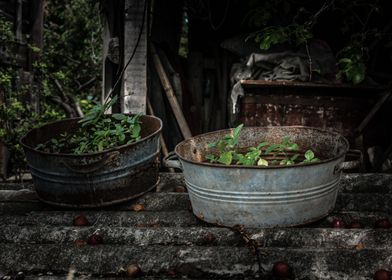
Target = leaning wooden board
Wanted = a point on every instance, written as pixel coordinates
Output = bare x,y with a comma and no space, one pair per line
167,241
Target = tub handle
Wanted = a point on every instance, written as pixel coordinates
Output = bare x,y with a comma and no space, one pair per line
347,165
92,166
171,161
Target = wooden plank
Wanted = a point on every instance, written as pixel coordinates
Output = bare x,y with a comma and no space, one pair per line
36,39
294,84
162,141
186,132
18,20
134,96
113,41
196,80
372,112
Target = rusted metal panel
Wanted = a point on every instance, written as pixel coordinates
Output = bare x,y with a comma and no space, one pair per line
337,107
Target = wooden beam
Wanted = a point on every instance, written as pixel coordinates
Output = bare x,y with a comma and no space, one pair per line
36,39
113,46
18,20
164,149
186,132
373,111
134,95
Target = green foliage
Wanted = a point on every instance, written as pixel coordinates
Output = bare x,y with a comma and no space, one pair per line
260,15
351,64
71,55
225,146
17,118
6,33
295,34
309,157
355,21
97,132
73,46
284,153
285,145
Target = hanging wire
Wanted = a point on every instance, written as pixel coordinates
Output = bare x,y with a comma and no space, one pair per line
213,26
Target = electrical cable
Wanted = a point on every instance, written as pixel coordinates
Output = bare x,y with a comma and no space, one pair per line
132,55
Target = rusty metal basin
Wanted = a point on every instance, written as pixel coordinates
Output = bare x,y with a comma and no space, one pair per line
260,197
94,179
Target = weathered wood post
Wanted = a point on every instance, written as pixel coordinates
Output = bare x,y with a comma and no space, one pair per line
134,93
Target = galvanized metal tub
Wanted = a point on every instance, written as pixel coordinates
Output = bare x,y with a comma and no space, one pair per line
263,196
94,179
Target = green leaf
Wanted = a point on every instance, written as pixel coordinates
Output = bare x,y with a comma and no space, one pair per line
293,147
309,155
211,145
226,158
262,162
40,147
262,144
345,60
136,131
294,157
289,162
119,117
100,146
271,148
283,161
211,158
236,134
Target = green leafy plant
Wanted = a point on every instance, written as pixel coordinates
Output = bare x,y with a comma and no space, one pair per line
97,132
71,56
351,63
310,157
264,154
296,34
225,147
355,21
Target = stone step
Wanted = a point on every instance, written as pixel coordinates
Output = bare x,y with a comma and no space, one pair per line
372,202
193,261
179,218
199,236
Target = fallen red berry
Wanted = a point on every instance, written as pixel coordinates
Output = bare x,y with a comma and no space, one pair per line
337,223
281,269
171,273
81,221
180,189
382,274
133,270
209,237
138,207
80,242
382,223
95,239
355,224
